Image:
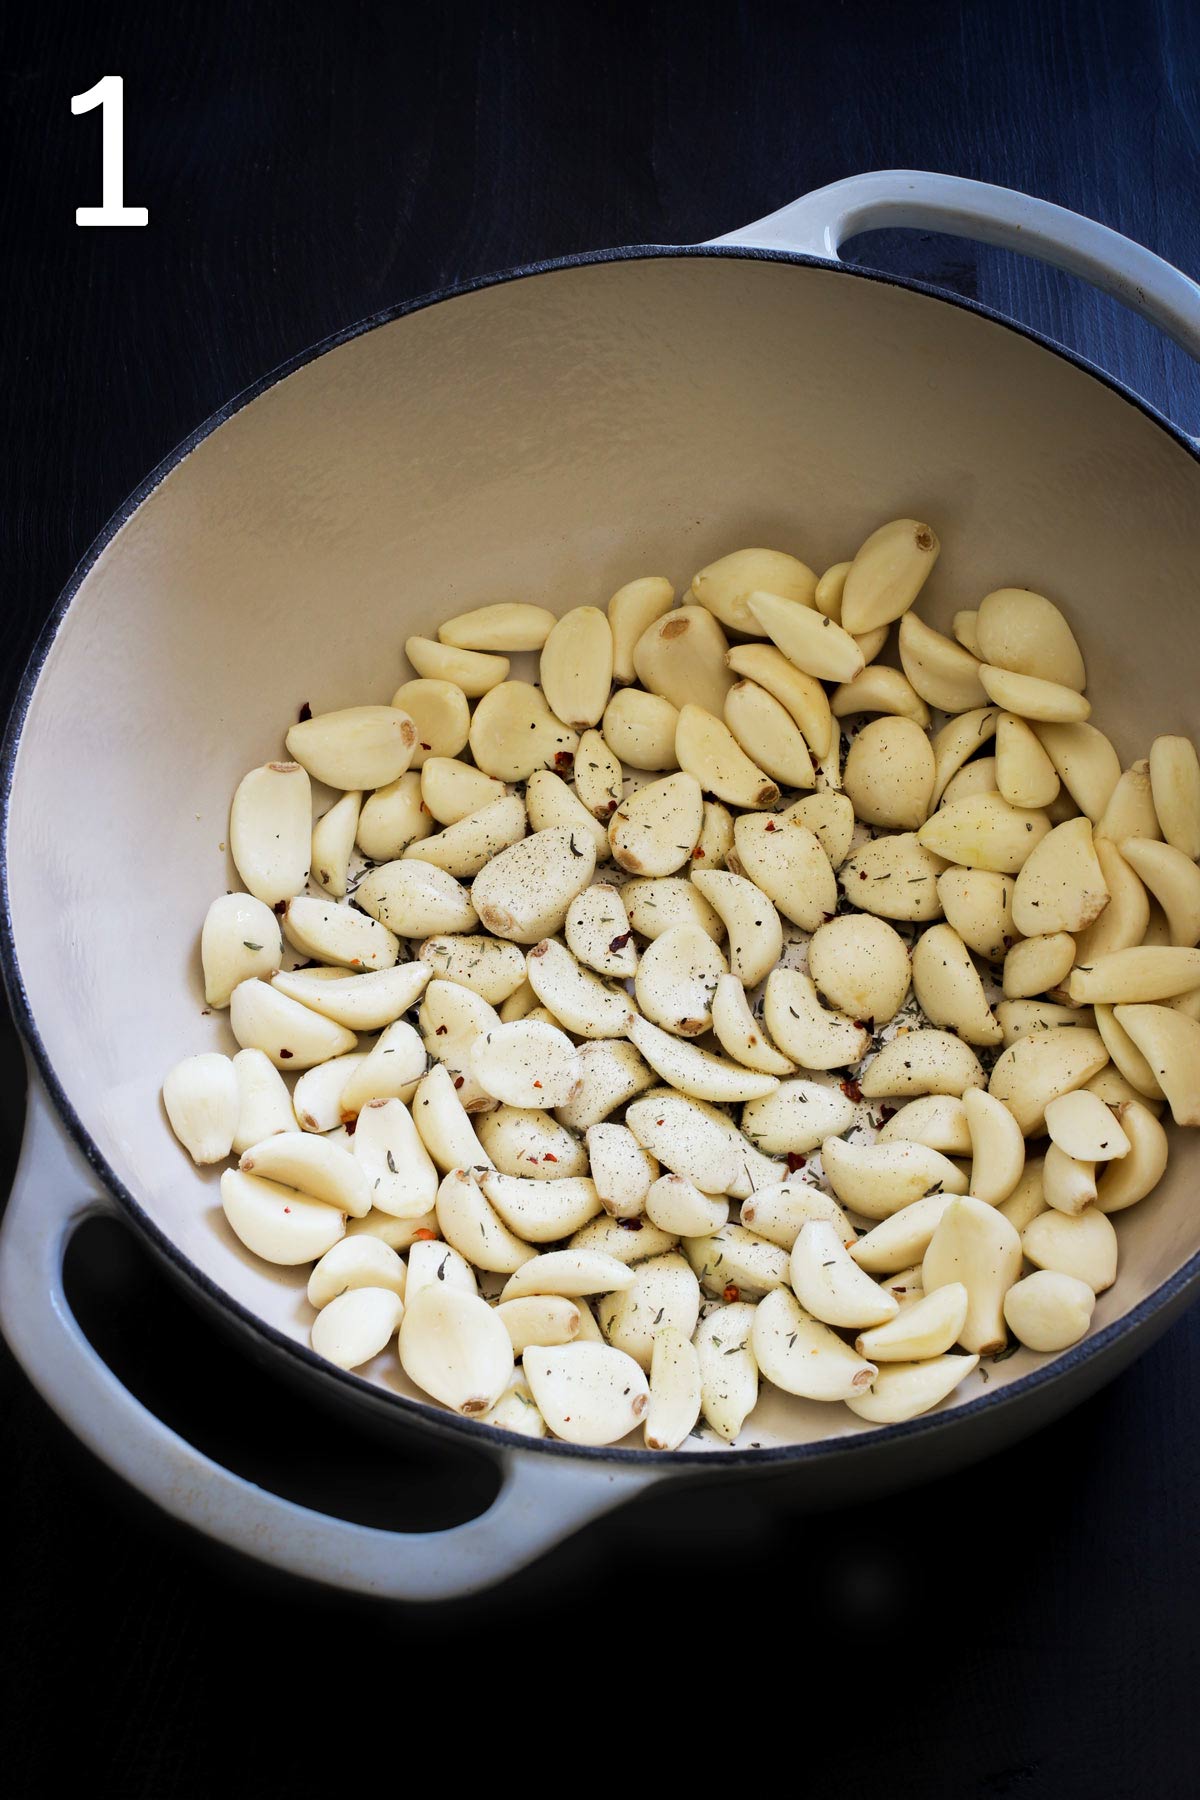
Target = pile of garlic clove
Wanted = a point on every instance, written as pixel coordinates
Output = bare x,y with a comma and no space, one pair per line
707,1012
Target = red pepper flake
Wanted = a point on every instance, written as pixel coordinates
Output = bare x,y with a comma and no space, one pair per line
305,712
862,874
286,1055
771,825
697,853
350,1121
441,1031
619,943
660,1121
549,1157
795,1162
537,1084
427,746
424,1235
287,1209
458,1080
729,1292
850,1088
564,761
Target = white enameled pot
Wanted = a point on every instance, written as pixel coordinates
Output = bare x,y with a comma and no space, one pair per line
544,435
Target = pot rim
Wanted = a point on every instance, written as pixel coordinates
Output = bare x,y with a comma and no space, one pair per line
659,1462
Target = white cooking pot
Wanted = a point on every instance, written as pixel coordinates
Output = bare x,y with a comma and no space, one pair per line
544,435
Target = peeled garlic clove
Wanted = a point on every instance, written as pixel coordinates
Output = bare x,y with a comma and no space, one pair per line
639,729
1025,775
734,1262
728,1371
551,802
807,638
1025,632
787,862
543,1320
809,1033
975,1244
902,1238
1175,786
1125,1182
1084,1128
780,1211
768,735
1082,1244
708,749
621,1170
927,1328
1037,1068
801,695
516,1410
716,836
469,1222
960,739
1123,922
948,987
724,586
751,920
571,1273
356,1326
675,1390
521,1140
977,777
1130,810
353,1263
978,904
541,1212
1067,1185
984,832
463,848
887,574
276,1222
1038,964
514,732
923,1062
611,1073
623,1241
475,672
878,1179
880,690
492,968
665,1296
697,1072
390,1070
831,1286
830,588
1049,1311
317,1096
830,818
264,1105
432,1264
938,1121
1170,1042
507,626
524,893
801,1355
577,997
997,1147
965,627
452,790
903,1391
415,899
1138,976
1087,764
598,777
1173,879
631,612
659,903
356,748
739,1033
453,1020
944,674
894,877
688,1137
270,831
399,1174
861,966
598,932
333,838
587,1393
240,940
201,1099
1127,1059
338,935
318,1169
1030,697
678,1207
676,978
889,773
681,657
576,667
526,1063
443,1124
1027,1199
292,1036
440,713
1061,886
1018,1018
796,1117
394,817
455,1348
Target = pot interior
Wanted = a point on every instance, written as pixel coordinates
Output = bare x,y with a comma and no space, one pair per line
546,438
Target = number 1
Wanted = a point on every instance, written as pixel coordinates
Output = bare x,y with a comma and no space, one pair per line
109,95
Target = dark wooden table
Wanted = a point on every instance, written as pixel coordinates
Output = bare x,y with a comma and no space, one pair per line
1025,1629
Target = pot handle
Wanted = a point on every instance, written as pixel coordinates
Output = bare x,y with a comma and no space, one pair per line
820,222
542,1498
